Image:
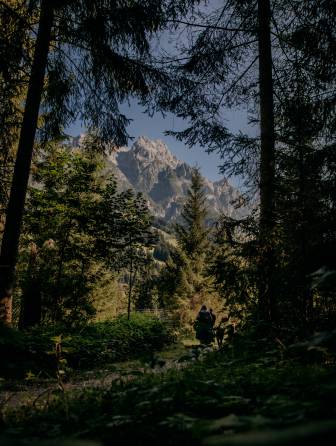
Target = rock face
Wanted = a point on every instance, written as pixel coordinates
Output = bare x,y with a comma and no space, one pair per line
149,167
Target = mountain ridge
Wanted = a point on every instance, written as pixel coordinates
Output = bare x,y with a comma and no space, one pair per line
148,166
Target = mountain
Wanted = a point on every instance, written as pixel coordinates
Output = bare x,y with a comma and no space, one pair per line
149,167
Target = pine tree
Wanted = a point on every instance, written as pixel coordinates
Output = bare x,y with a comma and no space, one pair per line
185,267
192,234
221,62
305,123
267,165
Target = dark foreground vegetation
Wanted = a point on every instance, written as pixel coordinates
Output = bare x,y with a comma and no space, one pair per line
251,392
41,352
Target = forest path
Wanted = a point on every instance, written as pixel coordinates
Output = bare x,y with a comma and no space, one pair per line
39,392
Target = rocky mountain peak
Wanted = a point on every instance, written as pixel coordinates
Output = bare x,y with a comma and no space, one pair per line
148,166
147,151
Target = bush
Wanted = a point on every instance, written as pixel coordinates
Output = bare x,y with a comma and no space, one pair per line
245,391
96,345
116,340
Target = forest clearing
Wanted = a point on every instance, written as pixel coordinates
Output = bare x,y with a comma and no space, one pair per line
167,222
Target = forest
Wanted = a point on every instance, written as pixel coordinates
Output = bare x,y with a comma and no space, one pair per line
105,334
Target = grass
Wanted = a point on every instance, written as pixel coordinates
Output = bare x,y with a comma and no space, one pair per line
246,392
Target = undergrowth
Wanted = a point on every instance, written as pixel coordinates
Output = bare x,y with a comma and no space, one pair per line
236,391
93,346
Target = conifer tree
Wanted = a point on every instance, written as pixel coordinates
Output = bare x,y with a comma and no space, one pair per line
221,60
15,57
192,237
192,232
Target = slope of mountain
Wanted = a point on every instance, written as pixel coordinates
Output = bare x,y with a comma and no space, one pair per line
149,167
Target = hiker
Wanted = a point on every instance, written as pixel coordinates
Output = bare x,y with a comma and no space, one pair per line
203,326
213,317
220,331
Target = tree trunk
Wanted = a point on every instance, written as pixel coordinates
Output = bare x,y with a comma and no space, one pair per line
15,209
130,289
303,204
267,160
31,304
56,304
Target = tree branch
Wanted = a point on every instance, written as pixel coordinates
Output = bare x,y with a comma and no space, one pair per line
216,27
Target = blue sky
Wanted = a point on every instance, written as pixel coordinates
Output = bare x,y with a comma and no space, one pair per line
154,128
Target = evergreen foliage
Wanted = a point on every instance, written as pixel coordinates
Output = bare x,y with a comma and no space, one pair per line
184,283
15,57
295,73
192,232
58,266
232,264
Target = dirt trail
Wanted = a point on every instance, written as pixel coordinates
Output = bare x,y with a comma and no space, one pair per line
39,393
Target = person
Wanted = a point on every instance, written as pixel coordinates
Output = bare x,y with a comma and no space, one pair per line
203,326
220,331
213,317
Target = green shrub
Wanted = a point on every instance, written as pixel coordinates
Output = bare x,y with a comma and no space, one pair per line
108,341
97,344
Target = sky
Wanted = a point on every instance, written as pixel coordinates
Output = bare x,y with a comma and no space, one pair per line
154,128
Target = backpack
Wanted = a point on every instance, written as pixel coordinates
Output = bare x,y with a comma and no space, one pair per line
204,316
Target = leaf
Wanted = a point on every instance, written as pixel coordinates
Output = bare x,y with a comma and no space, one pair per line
30,376
56,339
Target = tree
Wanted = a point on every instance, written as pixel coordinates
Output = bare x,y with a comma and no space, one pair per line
15,56
183,278
146,293
232,264
220,61
192,232
173,281
14,213
97,54
58,264
224,45
305,123
125,233
267,164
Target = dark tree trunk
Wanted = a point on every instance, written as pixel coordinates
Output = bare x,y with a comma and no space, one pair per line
130,288
31,305
31,302
56,304
15,209
304,293
267,157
